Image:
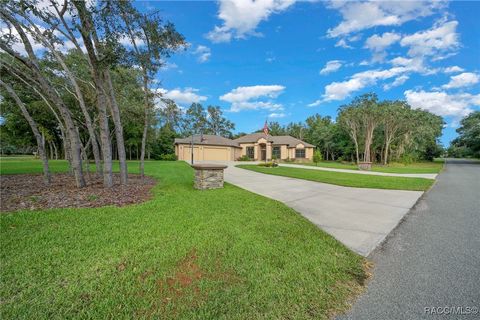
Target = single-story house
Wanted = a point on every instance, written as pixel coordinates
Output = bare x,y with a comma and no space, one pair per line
256,146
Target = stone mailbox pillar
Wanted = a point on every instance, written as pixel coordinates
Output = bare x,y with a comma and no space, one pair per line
367,166
208,176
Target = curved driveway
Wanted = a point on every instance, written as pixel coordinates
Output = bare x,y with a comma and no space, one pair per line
433,258
359,218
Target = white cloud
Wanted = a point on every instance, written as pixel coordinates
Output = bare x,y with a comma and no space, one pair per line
18,46
184,96
341,90
169,65
377,44
241,17
342,43
397,82
415,64
126,41
331,66
442,103
254,97
462,80
363,15
203,53
277,115
441,38
453,69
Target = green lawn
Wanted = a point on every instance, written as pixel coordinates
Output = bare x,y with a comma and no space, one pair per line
417,167
186,254
331,164
346,179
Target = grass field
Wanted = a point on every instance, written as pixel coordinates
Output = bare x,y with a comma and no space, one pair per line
346,179
185,254
416,167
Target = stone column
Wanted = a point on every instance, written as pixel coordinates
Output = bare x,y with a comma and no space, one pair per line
268,150
208,176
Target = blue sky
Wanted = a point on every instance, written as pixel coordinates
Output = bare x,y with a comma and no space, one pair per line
286,60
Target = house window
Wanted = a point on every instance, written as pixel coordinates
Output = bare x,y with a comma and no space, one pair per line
250,152
276,152
299,153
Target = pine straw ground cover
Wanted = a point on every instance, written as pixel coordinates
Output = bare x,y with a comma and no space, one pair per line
27,191
184,254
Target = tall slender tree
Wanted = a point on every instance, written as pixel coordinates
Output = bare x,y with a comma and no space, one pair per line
36,132
32,69
152,42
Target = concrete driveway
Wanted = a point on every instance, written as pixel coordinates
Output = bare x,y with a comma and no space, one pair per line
359,218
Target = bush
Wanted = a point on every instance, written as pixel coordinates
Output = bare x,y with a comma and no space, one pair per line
407,159
167,157
317,156
268,164
244,158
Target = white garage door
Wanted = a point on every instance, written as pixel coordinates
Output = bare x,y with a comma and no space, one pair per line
216,153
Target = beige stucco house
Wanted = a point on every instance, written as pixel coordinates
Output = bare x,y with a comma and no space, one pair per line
256,146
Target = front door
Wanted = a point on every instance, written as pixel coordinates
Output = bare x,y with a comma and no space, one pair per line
263,153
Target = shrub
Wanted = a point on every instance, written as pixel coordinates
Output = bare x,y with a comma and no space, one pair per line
407,159
244,158
167,157
268,164
317,156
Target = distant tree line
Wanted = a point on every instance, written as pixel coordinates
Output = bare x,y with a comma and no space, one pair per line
174,122
467,144
370,130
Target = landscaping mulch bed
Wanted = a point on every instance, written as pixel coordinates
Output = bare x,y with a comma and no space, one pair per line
27,192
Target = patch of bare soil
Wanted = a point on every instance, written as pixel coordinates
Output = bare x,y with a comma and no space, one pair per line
27,192
182,288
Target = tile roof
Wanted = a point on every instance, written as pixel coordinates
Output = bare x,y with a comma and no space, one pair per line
209,139
288,140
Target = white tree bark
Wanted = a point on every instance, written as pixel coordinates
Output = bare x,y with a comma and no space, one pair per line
36,132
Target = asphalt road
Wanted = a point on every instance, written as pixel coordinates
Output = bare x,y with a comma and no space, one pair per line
432,259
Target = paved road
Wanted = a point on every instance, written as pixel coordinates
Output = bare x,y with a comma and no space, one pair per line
433,258
374,173
359,218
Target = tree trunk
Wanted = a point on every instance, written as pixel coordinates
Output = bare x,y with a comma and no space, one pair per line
357,153
36,133
104,136
78,96
55,150
122,159
50,147
86,30
47,89
144,141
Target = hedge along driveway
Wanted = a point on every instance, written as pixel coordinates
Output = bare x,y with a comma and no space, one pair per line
359,217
